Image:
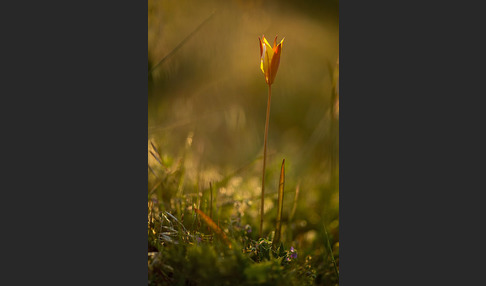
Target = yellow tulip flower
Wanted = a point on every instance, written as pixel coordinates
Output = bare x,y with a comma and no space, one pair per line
270,58
269,61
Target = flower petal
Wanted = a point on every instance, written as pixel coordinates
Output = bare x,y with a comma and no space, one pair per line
261,48
269,58
266,59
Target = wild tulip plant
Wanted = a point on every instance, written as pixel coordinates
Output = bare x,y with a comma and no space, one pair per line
269,62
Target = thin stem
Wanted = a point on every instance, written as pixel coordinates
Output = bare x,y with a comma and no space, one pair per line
265,157
211,201
182,43
330,252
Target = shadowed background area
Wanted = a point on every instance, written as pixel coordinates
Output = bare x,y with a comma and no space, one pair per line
207,102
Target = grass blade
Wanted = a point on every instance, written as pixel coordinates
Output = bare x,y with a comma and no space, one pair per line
153,146
330,252
153,172
211,201
182,43
278,226
214,227
294,208
156,158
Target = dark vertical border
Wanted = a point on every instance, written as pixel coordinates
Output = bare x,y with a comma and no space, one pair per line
74,203
115,214
408,137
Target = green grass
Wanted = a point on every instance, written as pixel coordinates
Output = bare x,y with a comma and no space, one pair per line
186,247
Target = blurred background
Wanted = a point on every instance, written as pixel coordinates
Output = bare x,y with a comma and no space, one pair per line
207,103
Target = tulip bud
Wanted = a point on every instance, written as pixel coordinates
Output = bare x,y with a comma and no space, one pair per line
270,58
